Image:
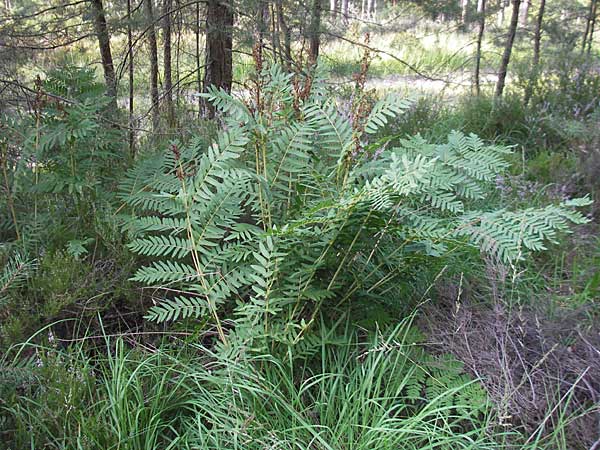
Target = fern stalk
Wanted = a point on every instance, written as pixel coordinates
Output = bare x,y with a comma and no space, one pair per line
196,260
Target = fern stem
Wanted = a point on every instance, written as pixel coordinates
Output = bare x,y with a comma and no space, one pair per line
196,260
349,250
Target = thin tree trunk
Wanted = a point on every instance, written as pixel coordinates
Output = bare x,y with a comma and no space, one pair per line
287,37
481,22
370,9
315,32
464,15
105,53
153,64
219,62
275,41
588,23
345,10
512,31
178,52
524,12
333,9
198,74
537,39
501,12
592,26
262,19
167,63
130,49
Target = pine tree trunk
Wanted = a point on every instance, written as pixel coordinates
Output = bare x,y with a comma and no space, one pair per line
588,23
370,9
275,34
167,66
537,39
198,74
481,22
105,53
502,4
130,52
153,64
315,32
262,17
592,26
287,37
464,16
524,12
219,44
512,31
179,20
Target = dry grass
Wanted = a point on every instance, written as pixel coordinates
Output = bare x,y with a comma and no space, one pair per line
541,368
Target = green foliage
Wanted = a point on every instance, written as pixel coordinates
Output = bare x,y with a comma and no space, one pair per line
292,209
58,168
347,391
15,272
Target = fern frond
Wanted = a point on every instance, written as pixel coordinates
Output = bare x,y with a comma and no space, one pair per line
15,272
161,246
165,272
389,107
179,307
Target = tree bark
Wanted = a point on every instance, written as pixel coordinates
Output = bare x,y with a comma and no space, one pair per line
592,26
345,10
512,31
370,8
105,53
333,9
588,23
167,62
315,32
464,15
287,36
481,22
537,39
198,74
502,5
130,49
219,43
524,12
153,64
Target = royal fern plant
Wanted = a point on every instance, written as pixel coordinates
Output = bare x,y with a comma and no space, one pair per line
292,209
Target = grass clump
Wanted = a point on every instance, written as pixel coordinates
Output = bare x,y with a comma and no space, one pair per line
346,389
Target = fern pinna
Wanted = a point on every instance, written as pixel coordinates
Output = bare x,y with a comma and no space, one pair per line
288,210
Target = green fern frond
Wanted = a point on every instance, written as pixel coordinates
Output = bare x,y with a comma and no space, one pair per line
391,106
176,308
